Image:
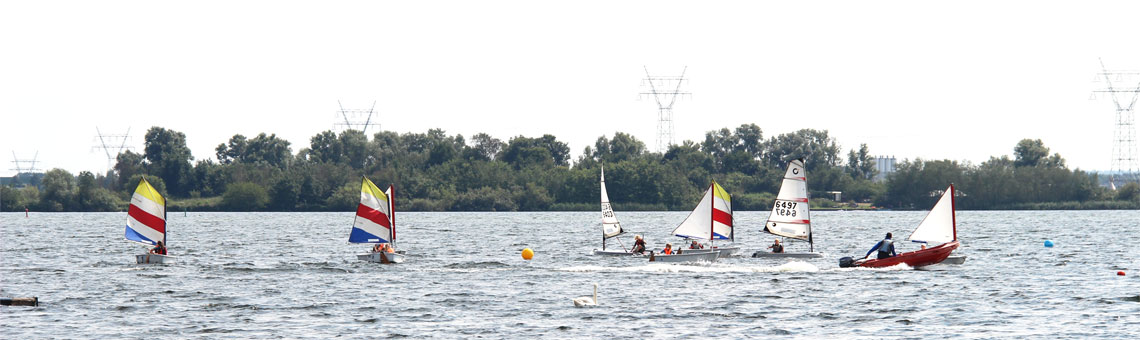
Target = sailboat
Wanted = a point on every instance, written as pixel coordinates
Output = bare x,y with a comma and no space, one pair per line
939,226
146,222
711,220
375,222
610,225
790,216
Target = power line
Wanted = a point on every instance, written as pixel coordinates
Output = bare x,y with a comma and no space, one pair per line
1119,86
350,119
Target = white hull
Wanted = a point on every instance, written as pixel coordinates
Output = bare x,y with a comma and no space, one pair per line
770,255
954,259
727,251
599,252
153,259
380,257
686,257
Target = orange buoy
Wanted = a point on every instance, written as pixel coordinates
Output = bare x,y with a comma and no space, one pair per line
527,254
1120,273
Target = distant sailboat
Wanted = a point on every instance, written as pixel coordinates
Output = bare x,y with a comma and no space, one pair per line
375,222
146,222
939,226
610,225
791,213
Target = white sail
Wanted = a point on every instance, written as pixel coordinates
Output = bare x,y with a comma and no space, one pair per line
610,225
791,213
938,226
711,219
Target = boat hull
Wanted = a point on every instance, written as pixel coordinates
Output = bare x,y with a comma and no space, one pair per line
955,259
385,258
153,259
915,259
770,255
598,252
708,256
727,251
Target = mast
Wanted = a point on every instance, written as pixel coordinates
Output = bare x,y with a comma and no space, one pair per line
392,211
712,213
164,231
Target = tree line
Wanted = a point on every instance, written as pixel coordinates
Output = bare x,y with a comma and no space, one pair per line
434,171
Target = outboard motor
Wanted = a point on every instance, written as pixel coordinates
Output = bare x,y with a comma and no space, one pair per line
846,262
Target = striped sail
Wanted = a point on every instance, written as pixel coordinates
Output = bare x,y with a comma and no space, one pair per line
711,219
722,213
938,226
610,225
146,217
790,214
373,223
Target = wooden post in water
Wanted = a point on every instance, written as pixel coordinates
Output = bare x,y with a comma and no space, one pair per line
32,301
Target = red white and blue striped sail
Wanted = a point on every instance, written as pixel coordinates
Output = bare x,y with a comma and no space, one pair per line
146,217
373,222
711,219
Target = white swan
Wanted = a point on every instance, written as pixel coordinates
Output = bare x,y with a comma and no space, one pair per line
586,300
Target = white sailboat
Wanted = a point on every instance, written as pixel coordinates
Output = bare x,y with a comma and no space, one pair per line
375,222
146,222
610,225
710,220
791,214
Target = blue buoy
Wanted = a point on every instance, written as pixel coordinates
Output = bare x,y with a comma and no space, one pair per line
1048,244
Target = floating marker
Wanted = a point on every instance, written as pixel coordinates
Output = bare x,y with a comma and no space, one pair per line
1048,244
527,254
1120,273
32,301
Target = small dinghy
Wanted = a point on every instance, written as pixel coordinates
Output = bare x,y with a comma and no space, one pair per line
790,216
954,259
610,225
146,222
375,223
710,220
940,225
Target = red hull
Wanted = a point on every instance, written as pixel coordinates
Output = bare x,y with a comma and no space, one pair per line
916,258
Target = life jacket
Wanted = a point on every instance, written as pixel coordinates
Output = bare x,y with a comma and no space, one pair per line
886,244
777,248
389,249
160,250
668,251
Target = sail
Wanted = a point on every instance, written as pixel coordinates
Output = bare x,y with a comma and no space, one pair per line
722,213
790,214
146,217
938,226
610,225
372,224
711,219
391,210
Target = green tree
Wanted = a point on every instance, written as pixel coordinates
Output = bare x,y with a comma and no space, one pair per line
127,165
861,164
816,147
59,190
245,196
169,157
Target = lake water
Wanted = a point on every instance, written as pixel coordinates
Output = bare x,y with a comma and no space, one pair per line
292,275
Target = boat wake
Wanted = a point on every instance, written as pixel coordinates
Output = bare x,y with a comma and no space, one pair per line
790,267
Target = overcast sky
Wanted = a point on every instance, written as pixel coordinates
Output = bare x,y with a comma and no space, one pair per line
961,80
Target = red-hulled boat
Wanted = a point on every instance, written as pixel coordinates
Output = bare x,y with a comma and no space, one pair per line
939,226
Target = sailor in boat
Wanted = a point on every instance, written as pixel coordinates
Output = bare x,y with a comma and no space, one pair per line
159,249
388,248
696,245
886,248
668,249
776,247
638,245
379,247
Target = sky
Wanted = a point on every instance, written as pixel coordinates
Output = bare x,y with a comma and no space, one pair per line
961,80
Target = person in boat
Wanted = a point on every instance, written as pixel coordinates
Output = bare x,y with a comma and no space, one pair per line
159,249
668,249
638,245
388,248
776,247
696,245
886,248
379,247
